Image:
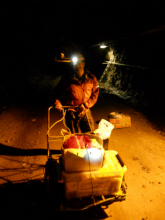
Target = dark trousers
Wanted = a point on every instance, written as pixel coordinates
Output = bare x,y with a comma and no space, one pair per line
79,123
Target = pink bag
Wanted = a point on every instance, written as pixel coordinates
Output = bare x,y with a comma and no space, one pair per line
77,142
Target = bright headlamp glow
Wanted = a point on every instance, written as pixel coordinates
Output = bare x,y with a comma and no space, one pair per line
103,46
74,60
93,155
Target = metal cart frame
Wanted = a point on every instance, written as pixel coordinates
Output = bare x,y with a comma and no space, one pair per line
55,183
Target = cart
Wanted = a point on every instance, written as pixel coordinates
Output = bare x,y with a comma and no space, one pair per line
56,183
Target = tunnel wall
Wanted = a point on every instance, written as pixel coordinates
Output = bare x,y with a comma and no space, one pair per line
142,79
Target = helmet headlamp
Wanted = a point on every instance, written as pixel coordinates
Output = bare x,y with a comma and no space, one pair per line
77,58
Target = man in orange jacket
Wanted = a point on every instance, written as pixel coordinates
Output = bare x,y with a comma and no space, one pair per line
79,89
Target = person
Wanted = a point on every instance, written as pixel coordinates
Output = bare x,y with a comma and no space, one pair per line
80,89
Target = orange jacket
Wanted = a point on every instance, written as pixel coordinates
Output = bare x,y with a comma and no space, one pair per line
71,92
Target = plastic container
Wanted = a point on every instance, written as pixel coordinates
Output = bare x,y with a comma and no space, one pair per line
105,181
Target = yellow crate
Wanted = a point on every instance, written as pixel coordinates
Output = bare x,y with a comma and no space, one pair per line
105,181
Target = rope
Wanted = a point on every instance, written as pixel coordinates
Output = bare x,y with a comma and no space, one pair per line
88,123
89,166
90,176
64,113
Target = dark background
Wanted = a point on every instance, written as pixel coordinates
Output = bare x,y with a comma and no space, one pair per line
31,33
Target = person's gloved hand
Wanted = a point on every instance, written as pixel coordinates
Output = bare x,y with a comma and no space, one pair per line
80,109
58,105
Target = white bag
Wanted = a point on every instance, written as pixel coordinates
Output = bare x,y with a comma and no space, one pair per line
104,129
83,160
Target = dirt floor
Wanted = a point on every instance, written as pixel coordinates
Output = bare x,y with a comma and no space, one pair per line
23,157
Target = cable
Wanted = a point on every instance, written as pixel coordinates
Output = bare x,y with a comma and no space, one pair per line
56,122
89,168
62,119
90,174
64,122
122,64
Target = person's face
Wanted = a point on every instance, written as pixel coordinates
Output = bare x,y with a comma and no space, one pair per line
79,68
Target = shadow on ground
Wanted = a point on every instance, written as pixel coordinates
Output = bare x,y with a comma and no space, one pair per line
12,151
30,200
156,119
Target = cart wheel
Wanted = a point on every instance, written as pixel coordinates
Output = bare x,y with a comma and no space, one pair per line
124,177
47,178
124,185
51,183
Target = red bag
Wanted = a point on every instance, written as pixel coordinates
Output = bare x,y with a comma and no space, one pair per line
77,142
87,142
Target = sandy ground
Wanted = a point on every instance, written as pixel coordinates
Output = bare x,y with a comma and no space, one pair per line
23,158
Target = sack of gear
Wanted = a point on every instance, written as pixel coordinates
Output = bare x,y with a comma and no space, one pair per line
82,152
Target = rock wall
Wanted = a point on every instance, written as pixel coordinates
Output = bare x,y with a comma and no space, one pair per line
140,72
